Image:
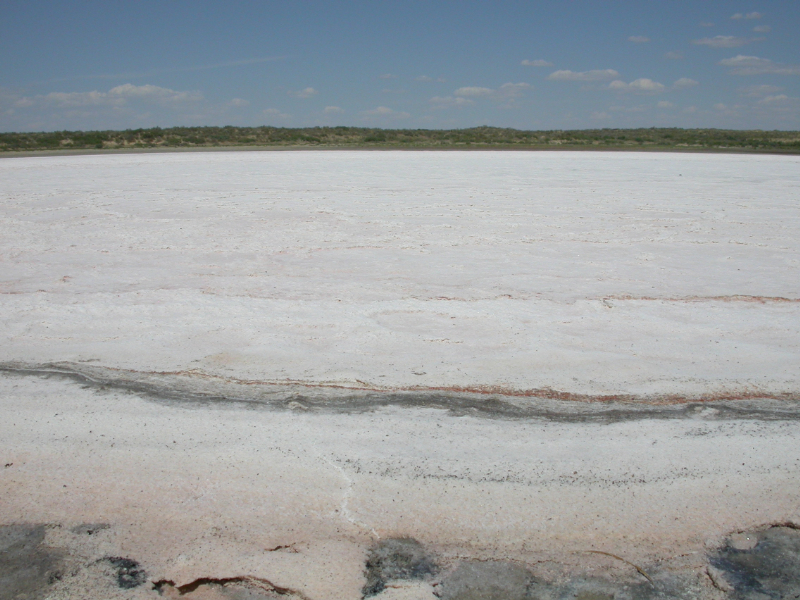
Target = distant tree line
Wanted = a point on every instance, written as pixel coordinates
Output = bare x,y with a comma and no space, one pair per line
479,137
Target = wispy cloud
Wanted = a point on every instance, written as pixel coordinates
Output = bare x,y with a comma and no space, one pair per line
597,75
638,39
758,91
638,86
386,113
238,103
536,63
276,114
723,41
443,102
674,55
779,99
117,96
665,104
762,29
507,91
332,110
512,90
684,83
752,15
474,91
423,78
753,65
308,92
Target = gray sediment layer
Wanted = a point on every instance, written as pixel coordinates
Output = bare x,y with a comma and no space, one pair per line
194,389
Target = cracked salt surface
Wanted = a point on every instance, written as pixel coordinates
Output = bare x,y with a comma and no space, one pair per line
243,369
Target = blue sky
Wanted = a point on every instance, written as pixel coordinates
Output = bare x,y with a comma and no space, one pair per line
413,64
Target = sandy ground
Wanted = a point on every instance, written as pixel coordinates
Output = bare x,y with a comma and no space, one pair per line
264,369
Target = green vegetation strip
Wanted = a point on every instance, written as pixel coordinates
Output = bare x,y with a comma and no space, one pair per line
360,137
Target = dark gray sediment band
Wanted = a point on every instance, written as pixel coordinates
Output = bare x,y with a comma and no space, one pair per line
197,389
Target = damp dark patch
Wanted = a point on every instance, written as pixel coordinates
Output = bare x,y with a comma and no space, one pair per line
504,580
487,580
192,390
128,573
396,559
760,565
27,566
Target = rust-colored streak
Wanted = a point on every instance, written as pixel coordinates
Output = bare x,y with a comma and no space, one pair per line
485,390
731,298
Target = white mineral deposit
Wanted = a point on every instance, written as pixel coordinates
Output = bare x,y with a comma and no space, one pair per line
398,374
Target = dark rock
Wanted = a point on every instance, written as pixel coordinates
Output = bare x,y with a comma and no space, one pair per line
129,573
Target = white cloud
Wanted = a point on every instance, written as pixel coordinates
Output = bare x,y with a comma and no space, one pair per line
780,98
507,91
115,97
722,41
753,65
665,104
386,112
424,78
474,91
597,75
758,91
238,103
640,86
153,92
387,76
674,55
274,112
450,102
638,39
304,93
684,82
762,29
78,98
332,110
752,15
536,63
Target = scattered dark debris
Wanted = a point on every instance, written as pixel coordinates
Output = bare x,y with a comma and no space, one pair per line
130,573
89,528
396,559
